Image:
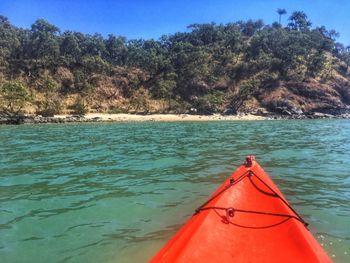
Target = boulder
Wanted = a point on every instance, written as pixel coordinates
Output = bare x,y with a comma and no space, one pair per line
322,115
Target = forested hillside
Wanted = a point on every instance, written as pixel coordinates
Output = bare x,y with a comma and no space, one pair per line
243,66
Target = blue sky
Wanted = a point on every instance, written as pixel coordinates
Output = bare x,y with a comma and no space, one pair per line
151,19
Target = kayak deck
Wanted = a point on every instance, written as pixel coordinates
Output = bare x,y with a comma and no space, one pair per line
246,220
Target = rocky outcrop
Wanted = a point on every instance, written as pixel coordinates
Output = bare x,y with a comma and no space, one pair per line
6,118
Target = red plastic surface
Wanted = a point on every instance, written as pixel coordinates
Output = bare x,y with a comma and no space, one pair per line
209,237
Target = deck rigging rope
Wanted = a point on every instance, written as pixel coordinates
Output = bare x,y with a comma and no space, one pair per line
230,210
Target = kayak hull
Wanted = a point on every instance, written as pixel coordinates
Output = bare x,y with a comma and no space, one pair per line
246,220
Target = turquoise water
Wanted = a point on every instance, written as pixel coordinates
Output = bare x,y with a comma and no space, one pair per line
116,192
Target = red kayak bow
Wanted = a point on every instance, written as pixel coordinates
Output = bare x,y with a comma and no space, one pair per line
246,220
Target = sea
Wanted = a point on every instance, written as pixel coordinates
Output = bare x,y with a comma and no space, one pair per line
116,192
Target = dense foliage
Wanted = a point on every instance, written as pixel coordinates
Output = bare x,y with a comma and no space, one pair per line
210,68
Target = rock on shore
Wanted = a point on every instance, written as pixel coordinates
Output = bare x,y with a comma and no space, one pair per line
6,118
36,119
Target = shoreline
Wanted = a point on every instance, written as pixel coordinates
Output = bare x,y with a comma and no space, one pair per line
125,117
121,117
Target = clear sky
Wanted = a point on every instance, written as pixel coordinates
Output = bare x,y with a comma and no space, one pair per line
151,19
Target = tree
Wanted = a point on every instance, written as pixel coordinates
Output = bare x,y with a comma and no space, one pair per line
95,64
164,86
44,45
116,50
140,101
210,103
329,34
281,12
246,89
14,96
48,85
9,43
203,34
93,45
298,21
192,67
250,27
69,48
52,104
344,54
79,106
341,51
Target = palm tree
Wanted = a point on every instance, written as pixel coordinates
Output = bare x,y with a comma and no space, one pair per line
281,12
347,57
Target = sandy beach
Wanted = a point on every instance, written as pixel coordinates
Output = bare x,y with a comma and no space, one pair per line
164,117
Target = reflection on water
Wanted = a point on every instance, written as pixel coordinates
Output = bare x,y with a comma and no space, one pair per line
117,192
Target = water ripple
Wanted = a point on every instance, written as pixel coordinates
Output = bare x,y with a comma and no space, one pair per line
117,192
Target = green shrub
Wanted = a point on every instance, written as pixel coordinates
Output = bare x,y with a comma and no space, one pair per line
116,110
140,100
47,85
178,106
210,103
14,96
79,107
50,107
